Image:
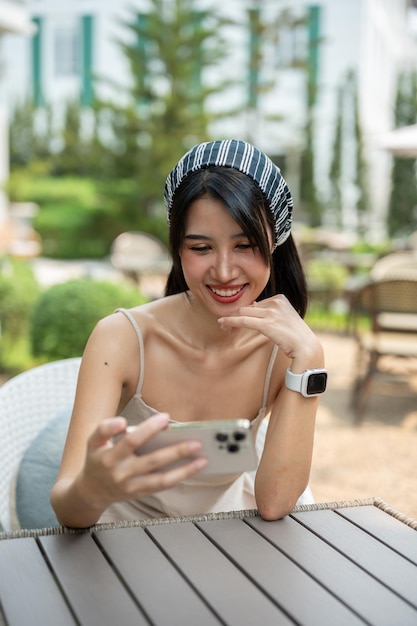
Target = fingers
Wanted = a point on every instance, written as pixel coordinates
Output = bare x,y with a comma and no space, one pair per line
268,309
136,437
246,319
111,427
107,429
114,473
274,318
154,458
153,482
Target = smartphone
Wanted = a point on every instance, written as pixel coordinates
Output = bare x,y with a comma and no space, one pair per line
228,445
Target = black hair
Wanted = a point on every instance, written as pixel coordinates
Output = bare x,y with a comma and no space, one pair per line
249,207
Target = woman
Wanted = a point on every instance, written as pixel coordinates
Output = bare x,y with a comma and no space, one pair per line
218,346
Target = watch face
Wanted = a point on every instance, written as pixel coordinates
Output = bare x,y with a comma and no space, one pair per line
316,383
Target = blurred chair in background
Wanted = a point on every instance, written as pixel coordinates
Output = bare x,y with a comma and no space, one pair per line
391,306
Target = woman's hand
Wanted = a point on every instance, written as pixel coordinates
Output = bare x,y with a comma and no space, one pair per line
284,468
277,319
113,472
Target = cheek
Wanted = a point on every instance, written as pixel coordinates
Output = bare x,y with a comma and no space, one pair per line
260,271
193,266
256,265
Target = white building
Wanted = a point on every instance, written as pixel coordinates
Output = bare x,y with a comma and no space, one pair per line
372,38
14,18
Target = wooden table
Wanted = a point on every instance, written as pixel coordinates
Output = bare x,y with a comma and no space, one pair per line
335,564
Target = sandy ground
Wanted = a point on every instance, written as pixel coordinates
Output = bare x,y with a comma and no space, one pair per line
378,458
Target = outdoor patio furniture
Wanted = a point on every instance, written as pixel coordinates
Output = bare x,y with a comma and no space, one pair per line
391,305
346,563
28,403
396,265
137,254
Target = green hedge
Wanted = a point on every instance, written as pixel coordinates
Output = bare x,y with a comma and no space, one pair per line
18,293
66,313
75,220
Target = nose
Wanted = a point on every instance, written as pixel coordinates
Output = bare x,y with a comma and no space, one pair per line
224,269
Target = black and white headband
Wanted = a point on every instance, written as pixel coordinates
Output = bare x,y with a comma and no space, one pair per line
246,158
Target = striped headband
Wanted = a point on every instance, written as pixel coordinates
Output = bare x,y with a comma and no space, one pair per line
247,159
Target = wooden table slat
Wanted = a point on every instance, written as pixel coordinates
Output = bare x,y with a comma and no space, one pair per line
22,572
128,550
334,564
387,566
338,574
391,531
94,591
299,594
224,587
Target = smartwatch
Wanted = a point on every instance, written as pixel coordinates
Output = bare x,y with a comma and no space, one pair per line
310,383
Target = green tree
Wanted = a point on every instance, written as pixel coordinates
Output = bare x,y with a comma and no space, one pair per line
169,49
30,136
21,133
336,162
402,210
348,128
361,166
70,158
308,190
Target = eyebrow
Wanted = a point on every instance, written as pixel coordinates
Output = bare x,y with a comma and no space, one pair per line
196,236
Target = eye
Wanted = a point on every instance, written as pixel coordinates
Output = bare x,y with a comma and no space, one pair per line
201,248
245,246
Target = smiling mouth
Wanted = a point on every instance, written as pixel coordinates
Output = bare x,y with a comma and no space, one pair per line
226,293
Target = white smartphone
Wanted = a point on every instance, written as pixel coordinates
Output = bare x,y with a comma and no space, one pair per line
228,445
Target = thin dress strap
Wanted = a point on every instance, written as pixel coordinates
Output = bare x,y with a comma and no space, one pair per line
139,335
138,332
268,375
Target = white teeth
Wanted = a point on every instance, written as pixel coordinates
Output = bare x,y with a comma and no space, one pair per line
226,292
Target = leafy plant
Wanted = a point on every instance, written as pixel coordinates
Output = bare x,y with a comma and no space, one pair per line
18,292
169,50
66,313
74,221
402,212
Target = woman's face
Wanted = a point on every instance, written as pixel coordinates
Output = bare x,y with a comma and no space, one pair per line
223,270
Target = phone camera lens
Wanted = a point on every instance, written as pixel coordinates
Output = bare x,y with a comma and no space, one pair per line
239,436
222,437
233,447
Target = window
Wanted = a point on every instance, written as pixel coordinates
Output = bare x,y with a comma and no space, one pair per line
292,40
66,47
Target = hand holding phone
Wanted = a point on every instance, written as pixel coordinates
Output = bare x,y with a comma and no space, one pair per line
227,445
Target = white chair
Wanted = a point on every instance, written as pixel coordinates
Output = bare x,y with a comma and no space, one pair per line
27,403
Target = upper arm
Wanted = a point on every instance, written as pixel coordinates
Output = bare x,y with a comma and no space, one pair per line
110,363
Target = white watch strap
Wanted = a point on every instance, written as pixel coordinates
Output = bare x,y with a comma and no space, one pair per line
293,381
310,383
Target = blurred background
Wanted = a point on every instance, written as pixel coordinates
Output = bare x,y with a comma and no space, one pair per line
99,99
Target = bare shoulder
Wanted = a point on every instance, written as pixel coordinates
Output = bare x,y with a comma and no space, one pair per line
112,343
161,312
111,329
115,334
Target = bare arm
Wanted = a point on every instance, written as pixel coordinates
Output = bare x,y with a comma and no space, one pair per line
284,469
94,473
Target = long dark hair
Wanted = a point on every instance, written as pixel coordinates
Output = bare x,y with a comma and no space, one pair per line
248,206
